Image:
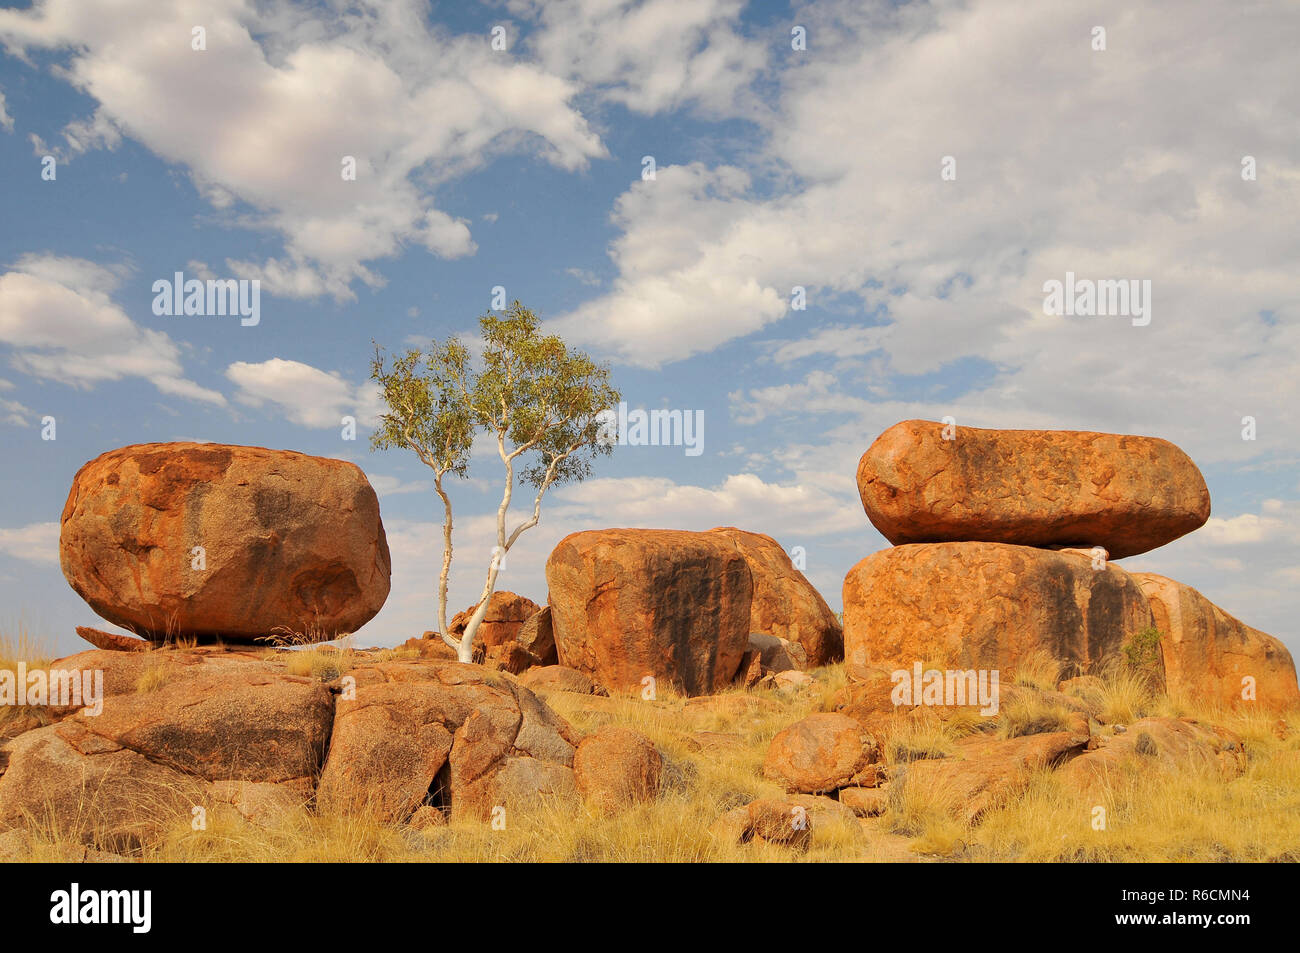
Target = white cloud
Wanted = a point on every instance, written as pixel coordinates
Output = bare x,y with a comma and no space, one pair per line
266,114
34,543
307,395
6,121
1111,165
648,55
394,486
58,316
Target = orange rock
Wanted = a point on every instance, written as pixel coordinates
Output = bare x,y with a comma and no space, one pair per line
986,773
616,768
559,678
111,641
289,541
785,603
784,822
1155,744
987,606
821,753
1127,494
1208,653
631,603
506,615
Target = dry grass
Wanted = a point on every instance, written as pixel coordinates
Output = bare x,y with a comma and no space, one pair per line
713,755
1037,670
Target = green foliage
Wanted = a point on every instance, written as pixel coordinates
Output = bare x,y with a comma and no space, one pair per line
1143,650
539,398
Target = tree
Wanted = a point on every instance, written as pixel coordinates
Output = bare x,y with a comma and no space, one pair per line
542,402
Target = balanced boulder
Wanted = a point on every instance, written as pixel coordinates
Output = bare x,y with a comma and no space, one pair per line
1048,488
223,542
988,606
627,604
1211,656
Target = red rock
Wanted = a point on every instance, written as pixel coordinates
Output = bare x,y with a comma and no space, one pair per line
1127,494
987,606
785,604
1155,744
631,603
111,641
506,615
560,678
290,542
987,773
784,822
821,753
1208,653
616,768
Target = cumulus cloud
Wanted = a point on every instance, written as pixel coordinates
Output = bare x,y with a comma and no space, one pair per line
34,543
1114,164
648,55
305,395
6,121
269,113
58,316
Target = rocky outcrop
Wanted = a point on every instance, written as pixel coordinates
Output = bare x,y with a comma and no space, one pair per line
987,605
1211,656
785,604
216,542
668,604
1127,494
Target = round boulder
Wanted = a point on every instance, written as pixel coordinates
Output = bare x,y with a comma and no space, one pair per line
223,542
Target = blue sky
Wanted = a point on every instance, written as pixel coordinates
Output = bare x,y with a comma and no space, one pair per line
775,168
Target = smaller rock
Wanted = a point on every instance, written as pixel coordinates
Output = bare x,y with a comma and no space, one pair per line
865,802
112,642
616,768
785,822
537,635
823,752
560,678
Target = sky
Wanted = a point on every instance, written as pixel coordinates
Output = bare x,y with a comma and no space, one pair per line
806,221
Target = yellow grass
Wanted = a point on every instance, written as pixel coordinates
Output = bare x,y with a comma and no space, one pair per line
713,757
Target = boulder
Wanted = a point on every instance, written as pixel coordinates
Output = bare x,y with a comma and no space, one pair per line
776,655
1208,654
537,635
289,543
616,768
822,753
444,734
1155,745
988,606
985,774
1127,494
785,604
506,614
784,822
560,678
631,603
174,732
